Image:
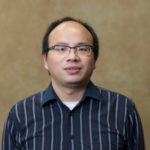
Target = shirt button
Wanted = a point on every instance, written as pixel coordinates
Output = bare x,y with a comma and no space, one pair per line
71,137
70,115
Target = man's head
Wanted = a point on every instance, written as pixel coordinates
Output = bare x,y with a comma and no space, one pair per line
76,66
57,22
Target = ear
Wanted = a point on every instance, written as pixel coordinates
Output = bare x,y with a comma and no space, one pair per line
45,61
94,67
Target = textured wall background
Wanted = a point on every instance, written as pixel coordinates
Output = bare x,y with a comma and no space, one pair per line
123,28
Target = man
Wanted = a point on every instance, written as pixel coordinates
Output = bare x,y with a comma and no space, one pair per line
72,113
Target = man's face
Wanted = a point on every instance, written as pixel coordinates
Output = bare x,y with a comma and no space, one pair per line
71,69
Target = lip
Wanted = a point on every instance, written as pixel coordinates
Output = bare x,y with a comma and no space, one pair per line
72,69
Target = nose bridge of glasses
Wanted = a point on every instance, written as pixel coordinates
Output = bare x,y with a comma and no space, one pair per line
74,48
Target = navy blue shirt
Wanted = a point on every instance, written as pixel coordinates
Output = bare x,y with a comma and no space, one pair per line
102,120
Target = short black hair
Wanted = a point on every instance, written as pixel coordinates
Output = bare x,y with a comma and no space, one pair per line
57,22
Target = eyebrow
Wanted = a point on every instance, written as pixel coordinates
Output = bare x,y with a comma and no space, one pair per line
82,43
64,43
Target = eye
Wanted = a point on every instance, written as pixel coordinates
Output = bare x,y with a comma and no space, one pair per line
83,48
60,48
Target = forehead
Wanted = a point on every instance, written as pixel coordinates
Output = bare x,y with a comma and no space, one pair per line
70,30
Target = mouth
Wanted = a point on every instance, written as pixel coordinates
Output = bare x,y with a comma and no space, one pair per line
72,69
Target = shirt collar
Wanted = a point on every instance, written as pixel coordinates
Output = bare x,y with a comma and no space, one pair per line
91,91
49,94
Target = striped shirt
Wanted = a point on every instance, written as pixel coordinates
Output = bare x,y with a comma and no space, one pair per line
102,120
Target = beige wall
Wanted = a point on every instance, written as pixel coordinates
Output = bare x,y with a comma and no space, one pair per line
123,28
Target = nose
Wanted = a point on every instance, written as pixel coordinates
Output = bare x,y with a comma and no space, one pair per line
72,55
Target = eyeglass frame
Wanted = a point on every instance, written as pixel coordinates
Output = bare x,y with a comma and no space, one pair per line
75,48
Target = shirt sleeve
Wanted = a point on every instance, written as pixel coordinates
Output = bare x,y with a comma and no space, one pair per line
134,130
10,135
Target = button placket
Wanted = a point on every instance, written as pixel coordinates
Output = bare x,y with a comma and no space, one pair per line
71,137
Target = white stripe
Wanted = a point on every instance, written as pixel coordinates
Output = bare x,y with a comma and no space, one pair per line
9,142
137,126
108,121
61,127
11,131
20,138
71,125
52,127
9,138
99,125
34,122
132,124
43,116
17,113
72,142
81,127
90,121
125,114
100,90
25,112
116,119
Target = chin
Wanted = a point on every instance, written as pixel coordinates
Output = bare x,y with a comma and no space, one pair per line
75,82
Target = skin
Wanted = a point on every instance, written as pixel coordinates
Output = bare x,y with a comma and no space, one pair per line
70,85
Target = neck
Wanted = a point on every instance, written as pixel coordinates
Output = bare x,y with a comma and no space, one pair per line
69,93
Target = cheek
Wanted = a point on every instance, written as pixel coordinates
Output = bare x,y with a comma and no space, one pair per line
90,65
51,62
54,63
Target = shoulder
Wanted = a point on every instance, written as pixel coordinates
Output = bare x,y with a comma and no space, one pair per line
26,106
36,98
112,97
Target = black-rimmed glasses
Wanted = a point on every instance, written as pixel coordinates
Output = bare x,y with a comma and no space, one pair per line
64,50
